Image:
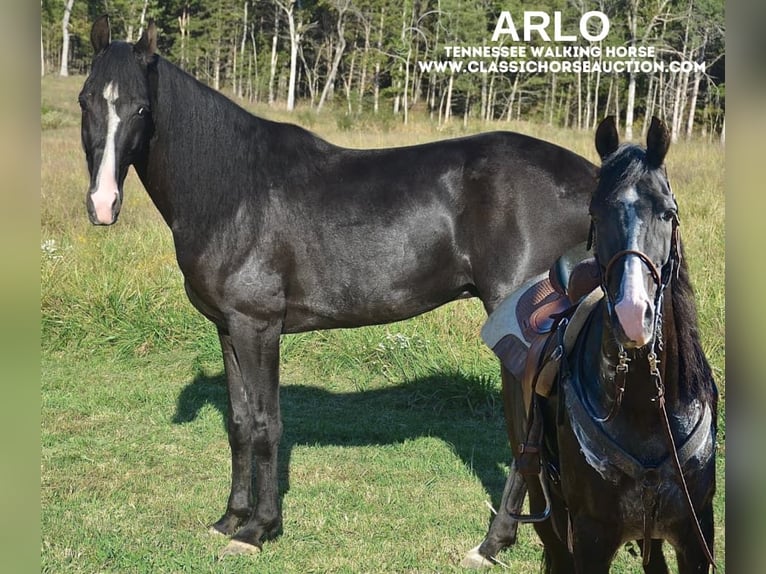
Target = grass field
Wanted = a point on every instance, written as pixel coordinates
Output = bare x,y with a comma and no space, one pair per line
393,434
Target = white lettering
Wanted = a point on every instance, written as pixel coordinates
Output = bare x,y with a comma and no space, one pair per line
505,26
585,33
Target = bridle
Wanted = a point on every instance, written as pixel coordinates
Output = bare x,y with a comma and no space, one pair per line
662,278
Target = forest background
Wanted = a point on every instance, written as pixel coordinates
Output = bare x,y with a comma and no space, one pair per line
364,58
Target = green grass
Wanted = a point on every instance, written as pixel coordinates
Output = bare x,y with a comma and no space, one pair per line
393,434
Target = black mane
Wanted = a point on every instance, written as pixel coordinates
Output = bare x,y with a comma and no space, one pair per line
695,374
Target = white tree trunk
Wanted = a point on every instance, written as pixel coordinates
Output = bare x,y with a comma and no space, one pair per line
273,67
629,107
142,20
448,104
288,7
64,71
340,48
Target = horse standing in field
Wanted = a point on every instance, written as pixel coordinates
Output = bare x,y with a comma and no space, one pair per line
628,433
277,231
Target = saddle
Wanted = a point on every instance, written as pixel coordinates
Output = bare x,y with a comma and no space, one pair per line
537,325
519,330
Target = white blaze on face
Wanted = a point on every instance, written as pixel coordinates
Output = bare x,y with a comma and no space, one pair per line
106,191
634,301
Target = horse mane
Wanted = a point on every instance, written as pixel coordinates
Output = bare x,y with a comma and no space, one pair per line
211,115
695,375
201,122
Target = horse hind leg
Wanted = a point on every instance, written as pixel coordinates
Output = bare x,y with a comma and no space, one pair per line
255,429
503,529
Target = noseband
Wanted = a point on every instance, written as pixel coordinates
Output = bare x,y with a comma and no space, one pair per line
660,277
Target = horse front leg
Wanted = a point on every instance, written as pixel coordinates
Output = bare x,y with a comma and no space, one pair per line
689,553
251,356
594,544
657,563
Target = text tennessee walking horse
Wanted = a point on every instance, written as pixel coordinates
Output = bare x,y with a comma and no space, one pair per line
628,434
277,231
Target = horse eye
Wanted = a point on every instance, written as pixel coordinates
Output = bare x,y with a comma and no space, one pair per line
142,111
669,215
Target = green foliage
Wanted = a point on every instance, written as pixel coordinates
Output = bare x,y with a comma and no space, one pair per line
383,37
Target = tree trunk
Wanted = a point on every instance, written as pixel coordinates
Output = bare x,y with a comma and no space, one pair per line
723,131
365,58
448,104
183,26
376,91
64,71
142,19
629,106
273,62
650,101
239,79
342,7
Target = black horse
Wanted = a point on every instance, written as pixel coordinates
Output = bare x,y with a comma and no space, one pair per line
277,231
629,432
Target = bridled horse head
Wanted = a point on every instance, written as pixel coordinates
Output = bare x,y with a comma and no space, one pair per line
278,231
634,230
625,439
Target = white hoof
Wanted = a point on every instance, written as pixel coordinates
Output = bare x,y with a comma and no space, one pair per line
237,548
474,560
214,530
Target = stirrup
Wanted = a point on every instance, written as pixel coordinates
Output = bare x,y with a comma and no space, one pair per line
541,516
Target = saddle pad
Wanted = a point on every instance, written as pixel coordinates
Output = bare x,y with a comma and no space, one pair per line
503,320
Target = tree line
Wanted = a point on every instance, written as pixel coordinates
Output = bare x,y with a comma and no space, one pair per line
375,56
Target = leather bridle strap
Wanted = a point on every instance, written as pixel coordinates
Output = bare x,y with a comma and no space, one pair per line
644,259
679,471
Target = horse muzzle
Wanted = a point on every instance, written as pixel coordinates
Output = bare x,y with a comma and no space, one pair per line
103,206
635,319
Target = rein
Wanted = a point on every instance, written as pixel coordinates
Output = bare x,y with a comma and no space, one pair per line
662,280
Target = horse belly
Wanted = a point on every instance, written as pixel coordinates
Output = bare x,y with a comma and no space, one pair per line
375,281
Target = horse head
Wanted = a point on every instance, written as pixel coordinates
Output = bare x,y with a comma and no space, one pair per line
634,221
116,116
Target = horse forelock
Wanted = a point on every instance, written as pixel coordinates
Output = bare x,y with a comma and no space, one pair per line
118,65
625,168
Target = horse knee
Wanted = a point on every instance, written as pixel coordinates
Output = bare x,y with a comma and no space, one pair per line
266,437
240,430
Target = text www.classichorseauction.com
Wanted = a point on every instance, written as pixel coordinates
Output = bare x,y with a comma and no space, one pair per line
568,58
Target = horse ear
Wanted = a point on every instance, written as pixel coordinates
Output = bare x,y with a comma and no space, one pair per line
147,44
657,142
100,34
607,138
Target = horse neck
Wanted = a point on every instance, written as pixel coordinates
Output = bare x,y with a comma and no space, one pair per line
194,149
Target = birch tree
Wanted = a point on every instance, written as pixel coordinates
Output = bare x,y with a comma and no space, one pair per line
64,70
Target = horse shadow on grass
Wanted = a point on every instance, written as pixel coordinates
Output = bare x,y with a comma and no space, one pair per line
464,412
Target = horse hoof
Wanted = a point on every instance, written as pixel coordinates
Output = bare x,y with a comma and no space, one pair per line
214,530
474,560
238,548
